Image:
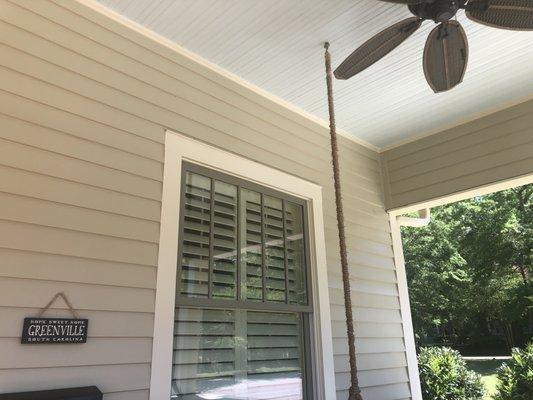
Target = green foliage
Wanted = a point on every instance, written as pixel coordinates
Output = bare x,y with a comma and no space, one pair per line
436,275
516,376
444,376
469,270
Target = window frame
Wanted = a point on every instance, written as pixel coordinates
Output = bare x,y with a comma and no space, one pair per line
265,305
180,148
251,305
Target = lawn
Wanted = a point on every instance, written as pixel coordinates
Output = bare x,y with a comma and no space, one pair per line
487,368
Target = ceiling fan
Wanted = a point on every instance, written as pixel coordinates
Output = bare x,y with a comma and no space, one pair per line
446,50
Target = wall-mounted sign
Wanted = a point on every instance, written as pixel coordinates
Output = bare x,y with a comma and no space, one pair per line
38,330
54,330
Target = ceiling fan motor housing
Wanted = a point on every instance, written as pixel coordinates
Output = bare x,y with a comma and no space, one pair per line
438,10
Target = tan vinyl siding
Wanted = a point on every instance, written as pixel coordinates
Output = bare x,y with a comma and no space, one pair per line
84,105
490,149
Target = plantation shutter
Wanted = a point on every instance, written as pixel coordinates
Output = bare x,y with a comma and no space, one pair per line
204,351
273,345
241,293
225,353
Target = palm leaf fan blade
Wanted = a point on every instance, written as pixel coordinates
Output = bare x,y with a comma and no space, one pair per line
408,2
445,56
506,14
377,47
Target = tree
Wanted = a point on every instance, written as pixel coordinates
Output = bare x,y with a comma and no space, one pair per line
470,269
436,276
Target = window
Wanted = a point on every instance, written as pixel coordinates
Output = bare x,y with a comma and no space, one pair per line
242,299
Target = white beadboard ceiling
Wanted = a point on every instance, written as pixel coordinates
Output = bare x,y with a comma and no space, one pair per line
277,46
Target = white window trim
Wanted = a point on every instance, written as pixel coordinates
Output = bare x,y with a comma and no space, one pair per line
179,148
405,308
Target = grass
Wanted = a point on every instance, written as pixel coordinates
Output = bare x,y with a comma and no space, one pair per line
487,369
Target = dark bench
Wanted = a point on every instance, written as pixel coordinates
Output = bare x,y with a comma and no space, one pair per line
80,393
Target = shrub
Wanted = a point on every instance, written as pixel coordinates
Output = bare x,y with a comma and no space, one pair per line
516,376
444,376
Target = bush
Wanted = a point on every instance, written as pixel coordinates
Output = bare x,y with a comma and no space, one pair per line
516,376
444,376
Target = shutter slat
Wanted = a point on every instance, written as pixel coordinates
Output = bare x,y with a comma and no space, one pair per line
190,343
202,356
211,370
273,366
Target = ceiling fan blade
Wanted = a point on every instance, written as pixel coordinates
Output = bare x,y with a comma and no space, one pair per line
506,14
445,56
408,2
377,47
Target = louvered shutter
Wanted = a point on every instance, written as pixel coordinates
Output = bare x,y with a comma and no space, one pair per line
204,351
241,247
228,354
274,355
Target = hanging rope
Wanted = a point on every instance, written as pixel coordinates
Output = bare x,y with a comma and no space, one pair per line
65,299
355,392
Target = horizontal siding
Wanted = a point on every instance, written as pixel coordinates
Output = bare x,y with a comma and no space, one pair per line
43,116
31,264
34,237
369,346
110,379
370,379
14,293
375,361
40,186
66,144
128,395
32,159
57,215
84,103
97,351
490,149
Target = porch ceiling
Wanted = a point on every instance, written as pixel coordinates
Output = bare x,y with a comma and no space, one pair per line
277,46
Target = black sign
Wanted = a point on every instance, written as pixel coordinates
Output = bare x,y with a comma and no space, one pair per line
54,330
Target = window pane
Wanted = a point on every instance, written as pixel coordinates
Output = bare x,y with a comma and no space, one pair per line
225,242
237,354
196,234
226,227
251,245
296,258
274,356
204,352
274,249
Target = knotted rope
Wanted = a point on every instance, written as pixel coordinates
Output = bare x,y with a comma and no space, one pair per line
355,391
